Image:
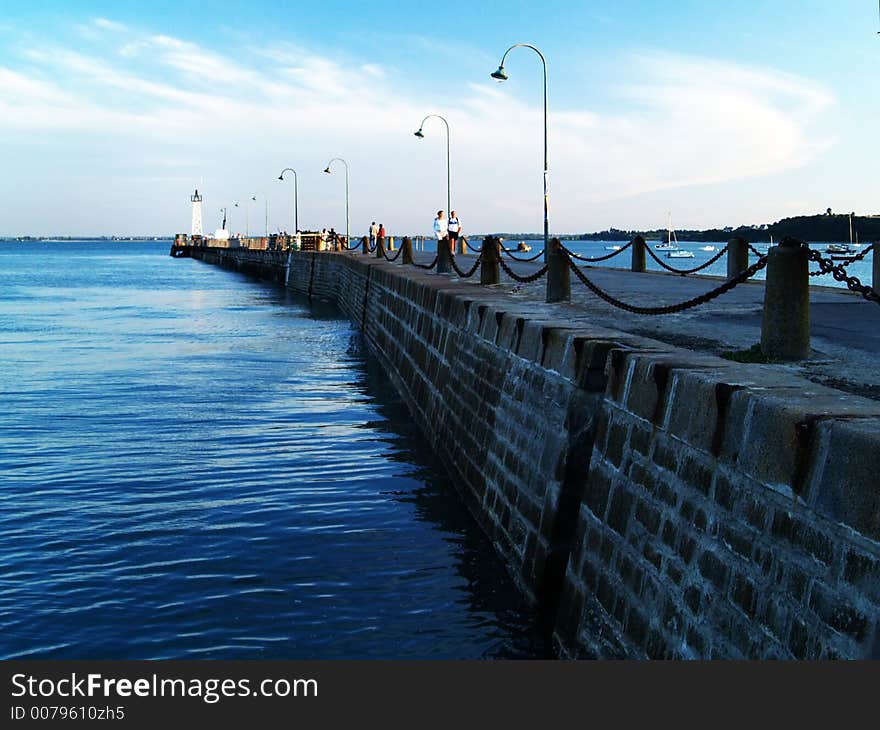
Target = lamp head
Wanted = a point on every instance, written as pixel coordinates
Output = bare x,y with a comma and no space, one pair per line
419,134
327,169
499,75
281,176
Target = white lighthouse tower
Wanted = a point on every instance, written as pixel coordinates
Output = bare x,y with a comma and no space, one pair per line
196,214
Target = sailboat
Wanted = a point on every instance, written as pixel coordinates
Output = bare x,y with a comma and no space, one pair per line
841,250
670,234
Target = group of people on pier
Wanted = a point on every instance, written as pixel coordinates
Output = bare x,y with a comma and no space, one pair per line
447,227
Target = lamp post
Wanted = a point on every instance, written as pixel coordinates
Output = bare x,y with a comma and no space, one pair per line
500,75
295,198
420,134
327,170
247,216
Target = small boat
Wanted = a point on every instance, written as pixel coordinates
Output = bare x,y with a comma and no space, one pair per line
839,248
680,255
612,248
666,247
523,247
708,248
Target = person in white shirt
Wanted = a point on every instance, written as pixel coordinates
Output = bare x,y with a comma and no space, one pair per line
374,233
440,226
453,226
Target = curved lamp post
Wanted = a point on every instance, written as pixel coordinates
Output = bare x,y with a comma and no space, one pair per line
500,75
295,198
327,170
420,134
247,216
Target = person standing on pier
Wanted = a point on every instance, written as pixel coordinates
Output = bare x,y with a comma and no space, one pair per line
374,231
453,226
441,227
381,233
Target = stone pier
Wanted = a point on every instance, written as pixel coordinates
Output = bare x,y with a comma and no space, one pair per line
652,501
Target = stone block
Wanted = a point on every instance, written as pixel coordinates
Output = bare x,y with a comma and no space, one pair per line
848,489
530,343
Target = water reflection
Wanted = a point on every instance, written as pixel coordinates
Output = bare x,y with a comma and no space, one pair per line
194,464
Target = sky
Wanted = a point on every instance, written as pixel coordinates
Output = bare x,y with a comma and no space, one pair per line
111,113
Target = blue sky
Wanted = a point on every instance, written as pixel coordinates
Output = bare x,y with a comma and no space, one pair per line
720,113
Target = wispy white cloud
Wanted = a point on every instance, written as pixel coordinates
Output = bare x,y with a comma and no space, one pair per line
111,25
680,121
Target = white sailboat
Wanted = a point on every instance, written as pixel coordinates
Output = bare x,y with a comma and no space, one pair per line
670,235
842,251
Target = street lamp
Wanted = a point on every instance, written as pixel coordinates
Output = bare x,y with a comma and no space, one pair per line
295,198
247,215
420,134
500,75
327,170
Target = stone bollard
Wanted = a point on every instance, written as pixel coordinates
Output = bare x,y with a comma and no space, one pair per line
444,255
380,247
462,249
390,242
407,253
490,269
785,328
737,257
638,254
558,274
875,274
365,246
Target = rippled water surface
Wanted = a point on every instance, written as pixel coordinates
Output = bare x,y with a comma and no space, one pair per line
194,464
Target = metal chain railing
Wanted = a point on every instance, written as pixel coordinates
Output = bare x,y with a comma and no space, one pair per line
466,274
526,259
427,267
827,266
685,272
475,250
597,259
744,275
522,279
847,261
857,257
755,251
394,258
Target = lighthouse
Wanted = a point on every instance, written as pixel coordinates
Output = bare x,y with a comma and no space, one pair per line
196,213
